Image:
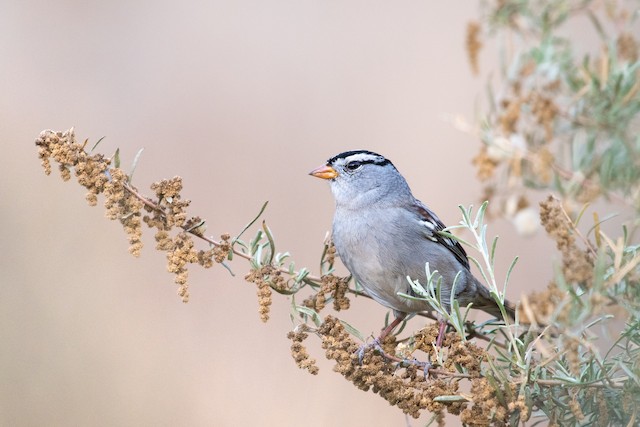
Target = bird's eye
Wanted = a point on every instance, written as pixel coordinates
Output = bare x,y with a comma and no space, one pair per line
353,165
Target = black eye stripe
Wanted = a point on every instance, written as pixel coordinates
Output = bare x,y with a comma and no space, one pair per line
374,162
354,165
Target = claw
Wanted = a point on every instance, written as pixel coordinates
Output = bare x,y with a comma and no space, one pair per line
361,351
376,342
375,345
425,366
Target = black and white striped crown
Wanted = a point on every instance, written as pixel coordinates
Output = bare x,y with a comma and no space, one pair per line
360,156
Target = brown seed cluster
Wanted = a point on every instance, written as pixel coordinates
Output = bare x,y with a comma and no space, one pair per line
299,351
603,409
125,204
537,100
169,199
266,277
485,165
217,253
330,256
93,173
473,45
459,355
542,162
526,117
631,394
167,212
510,115
406,388
540,104
424,339
409,389
125,207
575,408
259,277
466,356
485,406
519,406
572,347
332,285
182,253
544,110
627,47
541,305
488,409
577,265
90,170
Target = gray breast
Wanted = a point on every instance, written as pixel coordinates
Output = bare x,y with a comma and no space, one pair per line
382,248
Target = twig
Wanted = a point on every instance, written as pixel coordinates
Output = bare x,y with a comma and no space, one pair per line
617,384
426,369
210,240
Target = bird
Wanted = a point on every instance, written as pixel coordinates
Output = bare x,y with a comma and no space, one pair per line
383,234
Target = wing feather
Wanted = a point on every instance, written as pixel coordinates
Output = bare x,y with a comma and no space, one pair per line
432,225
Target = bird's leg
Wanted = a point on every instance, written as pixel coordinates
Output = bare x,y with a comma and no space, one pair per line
377,343
390,327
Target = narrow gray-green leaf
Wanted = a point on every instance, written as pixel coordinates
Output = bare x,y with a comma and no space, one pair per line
446,233
417,288
466,214
603,220
134,164
480,215
224,264
411,297
506,279
116,158
246,227
315,317
479,266
492,257
96,144
256,242
353,331
272,245
452,398
582,211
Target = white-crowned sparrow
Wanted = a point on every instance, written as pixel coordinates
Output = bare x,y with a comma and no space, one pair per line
383,234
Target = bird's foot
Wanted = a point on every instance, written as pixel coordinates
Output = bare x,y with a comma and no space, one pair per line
424,366
375,344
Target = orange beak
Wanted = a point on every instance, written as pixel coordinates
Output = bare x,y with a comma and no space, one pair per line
324,172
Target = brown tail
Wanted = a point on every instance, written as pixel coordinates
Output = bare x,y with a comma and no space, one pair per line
483,301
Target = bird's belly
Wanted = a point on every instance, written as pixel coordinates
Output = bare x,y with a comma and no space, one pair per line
376,271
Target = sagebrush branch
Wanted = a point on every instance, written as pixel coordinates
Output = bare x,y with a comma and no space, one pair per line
394,373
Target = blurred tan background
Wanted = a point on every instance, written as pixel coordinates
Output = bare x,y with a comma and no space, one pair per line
241,98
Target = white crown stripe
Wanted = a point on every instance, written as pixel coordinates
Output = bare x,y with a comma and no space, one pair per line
364,157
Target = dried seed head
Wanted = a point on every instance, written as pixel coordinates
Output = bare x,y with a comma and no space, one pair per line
299,351
627,47
577,265
473,45
484,164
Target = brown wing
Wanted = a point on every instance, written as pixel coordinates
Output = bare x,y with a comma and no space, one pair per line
433,225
